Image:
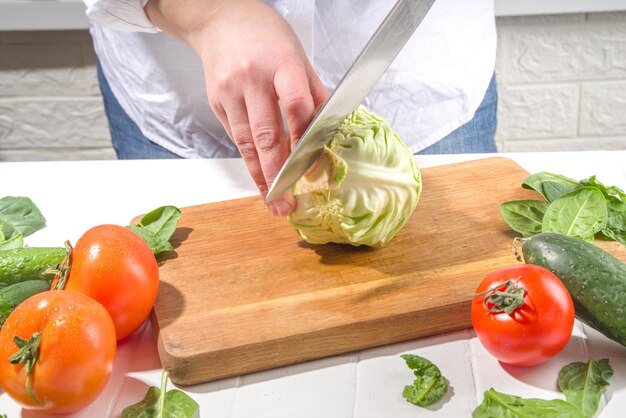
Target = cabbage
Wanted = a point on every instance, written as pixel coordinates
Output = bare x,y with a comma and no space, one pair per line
363,188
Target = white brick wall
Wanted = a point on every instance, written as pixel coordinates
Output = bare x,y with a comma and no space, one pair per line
50,103
561,80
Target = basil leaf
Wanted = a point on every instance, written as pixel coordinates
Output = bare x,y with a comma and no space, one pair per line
555,183
429,386
615,235
553,190
13,243
157,227
524,216
616,220
6,231
580,213
19,215
161,404
616,227
584,383
615,197
501,405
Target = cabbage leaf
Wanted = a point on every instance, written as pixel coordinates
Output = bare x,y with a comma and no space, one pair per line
362,190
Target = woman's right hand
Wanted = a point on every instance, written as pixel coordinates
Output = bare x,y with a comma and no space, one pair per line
253,64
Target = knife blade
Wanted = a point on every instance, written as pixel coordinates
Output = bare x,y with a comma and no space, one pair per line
380,51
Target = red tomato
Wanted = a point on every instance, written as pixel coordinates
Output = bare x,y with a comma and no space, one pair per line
533,332
116,267
76,351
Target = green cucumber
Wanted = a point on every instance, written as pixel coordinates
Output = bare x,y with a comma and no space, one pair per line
28,263
13,295
594,278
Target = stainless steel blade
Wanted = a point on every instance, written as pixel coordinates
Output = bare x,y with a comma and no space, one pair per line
388,40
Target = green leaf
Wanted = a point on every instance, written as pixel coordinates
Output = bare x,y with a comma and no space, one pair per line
501,405
6,230
550,185
524,216
616,227
429,386
616,220
157,227
161,404
581,213
584,383
615,197
19,215
553,190
13,243
615,235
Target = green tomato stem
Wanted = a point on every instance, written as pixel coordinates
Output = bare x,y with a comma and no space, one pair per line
507,300
64,267
27,354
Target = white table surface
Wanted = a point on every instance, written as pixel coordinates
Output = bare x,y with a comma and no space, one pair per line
74,196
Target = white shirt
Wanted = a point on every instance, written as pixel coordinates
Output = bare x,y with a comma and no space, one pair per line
434,85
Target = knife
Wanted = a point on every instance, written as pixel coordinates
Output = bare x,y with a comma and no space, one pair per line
383,47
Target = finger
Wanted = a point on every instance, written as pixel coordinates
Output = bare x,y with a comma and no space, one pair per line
318,90
220,114
292,88
239,127
269,137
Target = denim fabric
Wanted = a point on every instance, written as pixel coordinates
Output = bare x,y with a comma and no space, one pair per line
128,141
477,135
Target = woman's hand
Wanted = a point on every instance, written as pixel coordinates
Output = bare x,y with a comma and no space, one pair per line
253,65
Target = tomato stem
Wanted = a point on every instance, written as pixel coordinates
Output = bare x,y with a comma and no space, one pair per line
506,300
27,354
64,267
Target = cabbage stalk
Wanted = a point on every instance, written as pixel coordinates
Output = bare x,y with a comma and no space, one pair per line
362,190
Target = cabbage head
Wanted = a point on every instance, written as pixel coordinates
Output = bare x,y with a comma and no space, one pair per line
363,188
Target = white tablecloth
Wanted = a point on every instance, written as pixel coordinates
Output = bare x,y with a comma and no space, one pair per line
74,196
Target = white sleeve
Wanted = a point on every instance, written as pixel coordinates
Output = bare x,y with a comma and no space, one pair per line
124,15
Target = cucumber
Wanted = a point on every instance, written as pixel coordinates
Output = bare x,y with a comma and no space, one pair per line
29,263
594,278
13,295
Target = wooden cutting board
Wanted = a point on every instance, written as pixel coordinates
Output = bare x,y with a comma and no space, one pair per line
242,292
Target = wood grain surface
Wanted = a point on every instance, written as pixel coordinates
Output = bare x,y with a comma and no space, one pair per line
242,292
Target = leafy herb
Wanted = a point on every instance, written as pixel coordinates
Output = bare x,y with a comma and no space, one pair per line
550,185
581,213
19,217
584,383
585,209
160,403
13,243
429,386
616,198
501,405
524,216
616,234
157,227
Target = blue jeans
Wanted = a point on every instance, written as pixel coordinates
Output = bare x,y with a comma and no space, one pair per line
477,135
